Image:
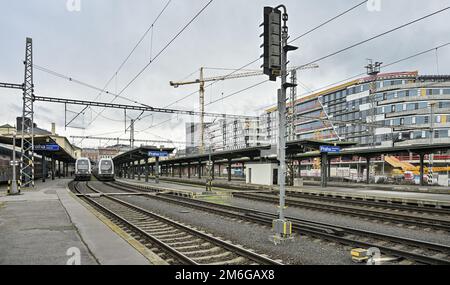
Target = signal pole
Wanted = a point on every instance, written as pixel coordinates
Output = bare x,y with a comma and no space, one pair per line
373,70
202,112
132,134
275,55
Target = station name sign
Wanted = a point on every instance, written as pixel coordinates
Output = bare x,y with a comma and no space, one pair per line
158,153
330,149
47,147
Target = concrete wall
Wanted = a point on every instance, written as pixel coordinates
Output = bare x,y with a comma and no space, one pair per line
261,173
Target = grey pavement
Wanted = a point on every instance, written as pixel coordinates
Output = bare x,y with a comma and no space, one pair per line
48,226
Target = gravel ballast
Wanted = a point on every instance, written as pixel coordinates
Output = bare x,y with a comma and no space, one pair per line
302,250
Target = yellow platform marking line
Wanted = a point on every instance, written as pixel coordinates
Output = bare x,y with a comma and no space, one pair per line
150,255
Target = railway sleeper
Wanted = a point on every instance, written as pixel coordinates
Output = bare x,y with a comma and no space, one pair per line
216,257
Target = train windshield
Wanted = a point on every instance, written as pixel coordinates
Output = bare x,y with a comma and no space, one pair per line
83,164
106,165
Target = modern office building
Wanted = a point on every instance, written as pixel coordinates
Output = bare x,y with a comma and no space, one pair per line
232,134
405,108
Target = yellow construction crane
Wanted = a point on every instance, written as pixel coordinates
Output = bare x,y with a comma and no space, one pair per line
202,80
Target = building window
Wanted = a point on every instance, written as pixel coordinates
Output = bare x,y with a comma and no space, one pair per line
433,92
441,134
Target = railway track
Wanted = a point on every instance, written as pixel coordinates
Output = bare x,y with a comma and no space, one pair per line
416,251
175,242
383,204
372,204
363,212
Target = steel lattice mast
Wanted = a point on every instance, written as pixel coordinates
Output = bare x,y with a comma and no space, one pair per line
27,131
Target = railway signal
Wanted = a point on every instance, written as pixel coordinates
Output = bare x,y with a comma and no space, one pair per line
275,56
272,43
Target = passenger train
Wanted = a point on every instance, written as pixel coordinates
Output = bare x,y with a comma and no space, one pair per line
83,169
104,171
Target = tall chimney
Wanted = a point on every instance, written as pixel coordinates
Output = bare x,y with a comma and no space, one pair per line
53,129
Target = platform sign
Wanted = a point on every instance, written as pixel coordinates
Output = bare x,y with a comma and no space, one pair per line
158,154
46,147
330,149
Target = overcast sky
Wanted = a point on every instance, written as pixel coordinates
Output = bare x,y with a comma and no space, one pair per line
90,44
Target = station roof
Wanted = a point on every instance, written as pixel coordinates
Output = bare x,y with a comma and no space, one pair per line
299,146
371,152
139,154
250,152
293,147
66,152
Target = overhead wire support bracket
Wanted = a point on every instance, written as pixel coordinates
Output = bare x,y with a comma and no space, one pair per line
11,86
144,108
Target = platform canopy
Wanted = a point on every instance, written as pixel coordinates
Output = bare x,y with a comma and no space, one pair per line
377,151
141,153
300,146
251,153
52,146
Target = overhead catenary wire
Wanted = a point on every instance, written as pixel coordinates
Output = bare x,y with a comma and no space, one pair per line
322,58
193,93
333,84
344,49
115,74
328,21
377,36
257,59
382,67
164,49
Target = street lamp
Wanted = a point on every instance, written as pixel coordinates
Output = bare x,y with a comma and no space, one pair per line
14,190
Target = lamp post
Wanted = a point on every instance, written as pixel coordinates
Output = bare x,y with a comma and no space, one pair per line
14,189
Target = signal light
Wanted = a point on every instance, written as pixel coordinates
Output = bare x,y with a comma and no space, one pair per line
272,43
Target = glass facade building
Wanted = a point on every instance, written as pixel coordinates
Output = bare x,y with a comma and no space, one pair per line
404,108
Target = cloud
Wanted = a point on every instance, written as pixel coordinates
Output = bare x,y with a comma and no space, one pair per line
89,45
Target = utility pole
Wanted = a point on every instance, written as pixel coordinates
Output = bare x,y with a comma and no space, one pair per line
293,98
132,134
27,135
373,69
431,155
202,112
276,50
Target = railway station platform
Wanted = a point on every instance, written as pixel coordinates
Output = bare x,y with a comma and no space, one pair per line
390,193
49,226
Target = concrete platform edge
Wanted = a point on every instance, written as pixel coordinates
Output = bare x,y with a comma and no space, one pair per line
107,247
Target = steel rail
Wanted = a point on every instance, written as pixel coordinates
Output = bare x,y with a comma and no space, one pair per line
178,255
366,203
318,229
411,208
218,242
358,212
